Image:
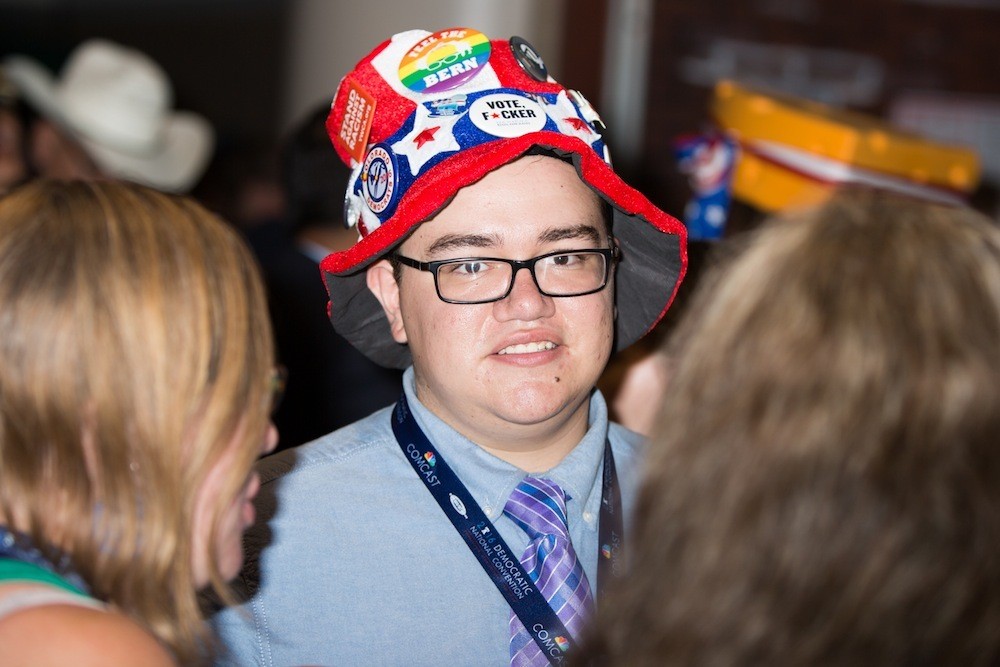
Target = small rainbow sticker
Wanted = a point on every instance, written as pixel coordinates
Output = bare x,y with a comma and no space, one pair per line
430,458
606,551
444,60
562,644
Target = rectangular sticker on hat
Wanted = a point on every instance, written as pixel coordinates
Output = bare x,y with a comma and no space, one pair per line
359,111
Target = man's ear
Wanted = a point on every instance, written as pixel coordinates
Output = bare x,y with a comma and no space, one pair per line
383,285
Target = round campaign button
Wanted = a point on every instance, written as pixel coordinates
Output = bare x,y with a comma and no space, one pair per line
379,178
507,115
529,60
444,60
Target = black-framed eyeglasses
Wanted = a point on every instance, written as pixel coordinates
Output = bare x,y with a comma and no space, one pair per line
470,280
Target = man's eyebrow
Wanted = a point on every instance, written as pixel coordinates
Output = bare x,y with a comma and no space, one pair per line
452,241
584,231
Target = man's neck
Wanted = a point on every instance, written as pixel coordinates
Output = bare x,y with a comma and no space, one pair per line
534,461
533,448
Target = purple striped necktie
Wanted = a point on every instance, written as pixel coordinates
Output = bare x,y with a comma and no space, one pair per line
538,506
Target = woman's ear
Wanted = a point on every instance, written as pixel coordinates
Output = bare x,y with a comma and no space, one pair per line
382,283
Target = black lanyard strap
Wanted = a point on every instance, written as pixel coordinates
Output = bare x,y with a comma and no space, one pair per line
486,544
610,530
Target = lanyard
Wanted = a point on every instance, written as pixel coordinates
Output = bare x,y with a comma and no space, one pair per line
485,543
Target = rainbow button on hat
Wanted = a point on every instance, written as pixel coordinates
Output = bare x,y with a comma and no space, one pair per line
444,60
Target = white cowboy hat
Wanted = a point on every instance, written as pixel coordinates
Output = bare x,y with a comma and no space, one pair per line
117,103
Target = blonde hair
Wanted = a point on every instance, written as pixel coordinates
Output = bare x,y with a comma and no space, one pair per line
134,346
824,487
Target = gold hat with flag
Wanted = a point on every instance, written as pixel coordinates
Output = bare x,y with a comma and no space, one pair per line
795,152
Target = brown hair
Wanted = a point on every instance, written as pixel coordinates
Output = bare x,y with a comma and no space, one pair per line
134,347
824,487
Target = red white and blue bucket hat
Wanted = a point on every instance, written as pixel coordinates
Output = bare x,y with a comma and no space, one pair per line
426,114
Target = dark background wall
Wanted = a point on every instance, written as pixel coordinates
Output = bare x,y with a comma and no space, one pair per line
224,57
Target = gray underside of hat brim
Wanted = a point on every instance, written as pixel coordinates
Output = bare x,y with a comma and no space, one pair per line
362,321
645,283
647,276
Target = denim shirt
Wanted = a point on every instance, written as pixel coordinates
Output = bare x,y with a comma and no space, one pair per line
352,562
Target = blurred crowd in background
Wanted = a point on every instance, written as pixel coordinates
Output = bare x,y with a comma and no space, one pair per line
239,110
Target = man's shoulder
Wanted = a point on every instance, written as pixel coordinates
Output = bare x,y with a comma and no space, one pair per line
354,442
310,494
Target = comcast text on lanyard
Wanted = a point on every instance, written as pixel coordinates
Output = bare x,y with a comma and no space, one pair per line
489,548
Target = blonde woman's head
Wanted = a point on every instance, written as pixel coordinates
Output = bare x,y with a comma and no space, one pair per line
135,355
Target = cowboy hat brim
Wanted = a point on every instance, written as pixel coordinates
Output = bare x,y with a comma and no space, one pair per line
178,158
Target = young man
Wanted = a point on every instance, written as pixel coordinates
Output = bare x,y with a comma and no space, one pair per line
501,261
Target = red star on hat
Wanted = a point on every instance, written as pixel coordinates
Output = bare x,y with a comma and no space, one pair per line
578,125
425,136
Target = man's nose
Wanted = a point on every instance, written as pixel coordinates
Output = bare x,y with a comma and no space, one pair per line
525,300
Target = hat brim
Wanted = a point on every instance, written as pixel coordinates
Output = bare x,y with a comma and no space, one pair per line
179,160
35,84
653,246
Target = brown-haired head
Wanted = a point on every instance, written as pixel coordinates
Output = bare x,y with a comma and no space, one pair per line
824,487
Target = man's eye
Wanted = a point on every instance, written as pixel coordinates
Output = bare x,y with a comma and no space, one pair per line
467,269
566,260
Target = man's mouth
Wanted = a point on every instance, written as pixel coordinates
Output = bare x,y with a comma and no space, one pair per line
528,348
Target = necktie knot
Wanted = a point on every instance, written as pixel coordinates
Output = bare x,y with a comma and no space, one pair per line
538,506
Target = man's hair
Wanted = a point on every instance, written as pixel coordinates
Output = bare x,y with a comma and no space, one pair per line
134,347
824,485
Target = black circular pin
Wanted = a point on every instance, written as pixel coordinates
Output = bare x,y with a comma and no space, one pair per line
528,58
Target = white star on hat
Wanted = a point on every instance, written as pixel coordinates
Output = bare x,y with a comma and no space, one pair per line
564,114
430,136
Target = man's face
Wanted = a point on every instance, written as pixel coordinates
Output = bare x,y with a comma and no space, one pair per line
55,154
523,367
